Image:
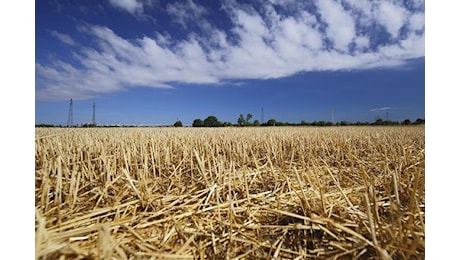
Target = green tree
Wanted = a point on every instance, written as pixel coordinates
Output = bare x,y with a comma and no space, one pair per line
256,123
211,121
248,117
178,124
271,122
241,120
197,123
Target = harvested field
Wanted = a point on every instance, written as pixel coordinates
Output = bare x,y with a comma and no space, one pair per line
237,193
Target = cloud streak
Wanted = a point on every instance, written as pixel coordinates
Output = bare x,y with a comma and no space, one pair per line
380,109
262,43
63,37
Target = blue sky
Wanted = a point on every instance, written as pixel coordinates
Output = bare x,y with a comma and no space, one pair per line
153,62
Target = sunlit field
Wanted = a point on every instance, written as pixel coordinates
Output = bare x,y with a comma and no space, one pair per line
237,193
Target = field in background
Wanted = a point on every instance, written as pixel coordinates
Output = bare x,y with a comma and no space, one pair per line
241,193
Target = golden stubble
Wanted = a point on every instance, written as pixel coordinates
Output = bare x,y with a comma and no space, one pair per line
236,193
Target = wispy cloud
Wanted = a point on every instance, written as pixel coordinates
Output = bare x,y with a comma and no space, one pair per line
261,44
380,109
63,37
186,13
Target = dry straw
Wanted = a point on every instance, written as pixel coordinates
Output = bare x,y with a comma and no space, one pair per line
233,193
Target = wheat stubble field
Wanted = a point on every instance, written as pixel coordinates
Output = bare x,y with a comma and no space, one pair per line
230,193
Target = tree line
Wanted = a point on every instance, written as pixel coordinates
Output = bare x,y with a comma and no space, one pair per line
244,121
212,121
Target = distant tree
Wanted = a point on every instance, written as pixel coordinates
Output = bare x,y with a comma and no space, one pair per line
321,123
178,124
227,124
241,120
197,123
406,122
256,123
271,122
211,121
88,125
419,121
344,123
379,121
44,125
248,117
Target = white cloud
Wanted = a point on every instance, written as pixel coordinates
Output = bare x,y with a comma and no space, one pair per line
63,37
362,42
417,4
299,33
254,50
261,44
362,11
392,17
196,68
250,23
134,7
363,6
414,45
340,24
417,22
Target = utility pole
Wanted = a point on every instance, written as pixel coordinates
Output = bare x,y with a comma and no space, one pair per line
70,117
94,114
262,116
332,115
